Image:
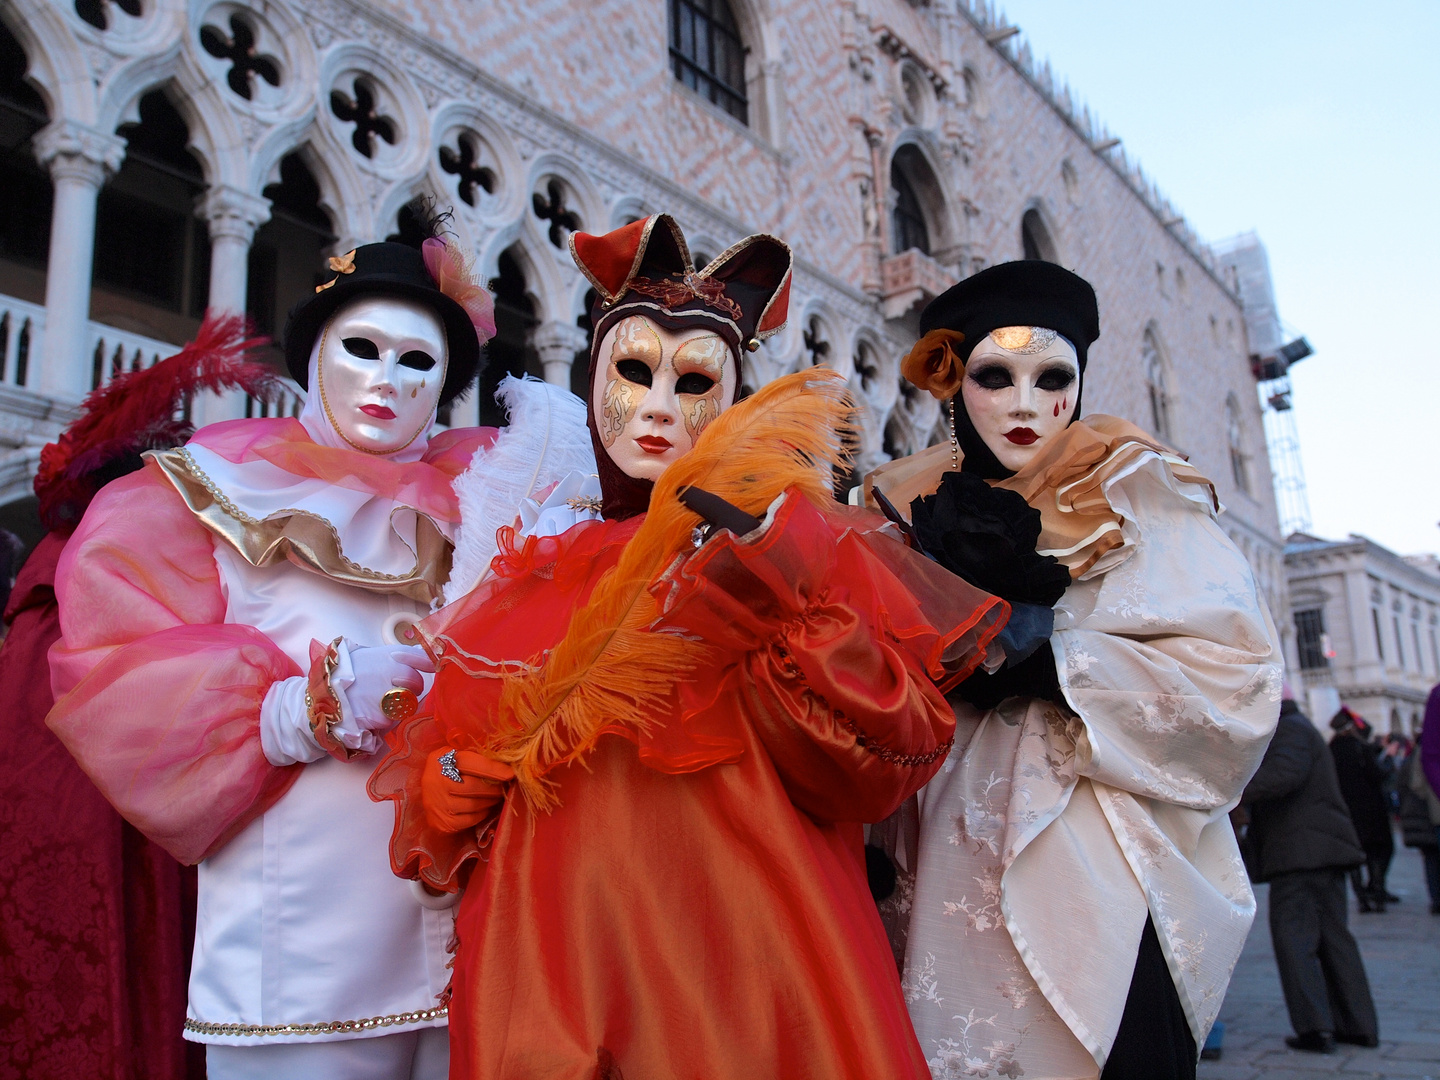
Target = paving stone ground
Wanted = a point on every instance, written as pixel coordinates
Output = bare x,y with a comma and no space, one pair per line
1402,957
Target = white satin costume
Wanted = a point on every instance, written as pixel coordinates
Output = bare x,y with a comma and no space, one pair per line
1050,833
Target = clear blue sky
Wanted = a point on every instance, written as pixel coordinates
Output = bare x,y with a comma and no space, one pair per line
1318,125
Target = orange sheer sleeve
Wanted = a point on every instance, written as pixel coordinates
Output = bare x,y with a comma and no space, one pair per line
839,658
157,697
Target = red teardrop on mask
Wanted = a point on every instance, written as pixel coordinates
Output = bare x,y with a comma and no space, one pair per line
1057,409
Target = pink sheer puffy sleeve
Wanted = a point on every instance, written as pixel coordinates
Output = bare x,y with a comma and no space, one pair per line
156,696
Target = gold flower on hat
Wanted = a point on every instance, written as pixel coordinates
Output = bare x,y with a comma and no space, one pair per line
341,264
933,364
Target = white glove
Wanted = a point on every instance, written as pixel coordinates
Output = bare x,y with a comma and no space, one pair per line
362,675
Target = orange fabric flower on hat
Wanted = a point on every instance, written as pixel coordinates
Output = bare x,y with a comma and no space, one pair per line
934,365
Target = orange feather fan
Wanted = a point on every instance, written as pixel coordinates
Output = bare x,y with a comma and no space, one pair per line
610,668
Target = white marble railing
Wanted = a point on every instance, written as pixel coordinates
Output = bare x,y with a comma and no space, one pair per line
292,400
22,334
22,328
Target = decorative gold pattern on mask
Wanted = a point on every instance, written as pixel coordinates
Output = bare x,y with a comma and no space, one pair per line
1024,340
635,339
706,355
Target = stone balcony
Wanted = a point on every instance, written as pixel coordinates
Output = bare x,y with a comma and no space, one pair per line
909,279
29,417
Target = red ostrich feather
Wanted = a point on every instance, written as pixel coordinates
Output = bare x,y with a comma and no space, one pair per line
135,411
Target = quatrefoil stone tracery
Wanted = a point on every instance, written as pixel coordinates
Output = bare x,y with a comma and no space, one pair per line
97,12
464,164
551,207
363,110
246,61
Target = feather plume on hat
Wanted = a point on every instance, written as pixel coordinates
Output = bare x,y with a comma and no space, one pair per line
135,412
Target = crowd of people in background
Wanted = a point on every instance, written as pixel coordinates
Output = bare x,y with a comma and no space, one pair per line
1312,818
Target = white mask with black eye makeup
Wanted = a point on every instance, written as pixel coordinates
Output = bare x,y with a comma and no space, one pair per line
656,390
381,368
1021,397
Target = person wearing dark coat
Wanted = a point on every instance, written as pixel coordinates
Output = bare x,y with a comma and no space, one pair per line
1301,841
1420,822
1362,783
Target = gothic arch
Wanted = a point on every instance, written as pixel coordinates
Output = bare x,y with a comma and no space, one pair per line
914,157
1038,234
1158,377
547,285
342,195
118,98
55,63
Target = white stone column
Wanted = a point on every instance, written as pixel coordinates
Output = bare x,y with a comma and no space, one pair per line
232,216
557,343
80,159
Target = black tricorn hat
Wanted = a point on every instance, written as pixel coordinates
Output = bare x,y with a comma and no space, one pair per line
384,269
1024,293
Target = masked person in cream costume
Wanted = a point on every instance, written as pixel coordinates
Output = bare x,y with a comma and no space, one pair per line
1072,899
234,622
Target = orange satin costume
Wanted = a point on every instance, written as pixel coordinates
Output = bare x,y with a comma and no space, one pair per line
696,905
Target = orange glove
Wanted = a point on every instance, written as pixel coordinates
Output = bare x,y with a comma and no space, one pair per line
452,807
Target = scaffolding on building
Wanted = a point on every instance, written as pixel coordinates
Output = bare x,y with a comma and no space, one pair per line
1271,357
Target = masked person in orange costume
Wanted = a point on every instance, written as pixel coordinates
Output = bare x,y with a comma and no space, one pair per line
652,742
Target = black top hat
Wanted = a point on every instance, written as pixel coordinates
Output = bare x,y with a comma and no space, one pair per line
1025,293
385,269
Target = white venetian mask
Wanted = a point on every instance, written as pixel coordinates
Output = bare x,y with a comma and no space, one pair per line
1021,386
381,368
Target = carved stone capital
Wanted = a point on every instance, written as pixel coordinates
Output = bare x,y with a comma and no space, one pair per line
231,212
73,151
556,341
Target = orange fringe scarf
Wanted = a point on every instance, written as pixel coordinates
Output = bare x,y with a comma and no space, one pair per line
609,667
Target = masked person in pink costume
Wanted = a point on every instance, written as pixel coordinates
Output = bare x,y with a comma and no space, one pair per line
234,618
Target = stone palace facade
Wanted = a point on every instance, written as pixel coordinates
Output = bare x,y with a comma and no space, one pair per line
160,156
1367,629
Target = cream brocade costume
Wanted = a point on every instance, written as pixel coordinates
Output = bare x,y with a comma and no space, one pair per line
1049,833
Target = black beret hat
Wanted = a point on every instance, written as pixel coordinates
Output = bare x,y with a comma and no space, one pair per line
1025,293
385,269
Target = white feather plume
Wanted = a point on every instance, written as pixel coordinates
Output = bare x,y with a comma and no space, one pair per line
547,439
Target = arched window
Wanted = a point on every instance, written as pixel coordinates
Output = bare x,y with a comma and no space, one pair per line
287,257
1235,436
707,54
25,215
1154,368
152,254
509,352
1035,242
908,228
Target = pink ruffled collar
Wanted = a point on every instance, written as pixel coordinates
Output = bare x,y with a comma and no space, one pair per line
423,485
